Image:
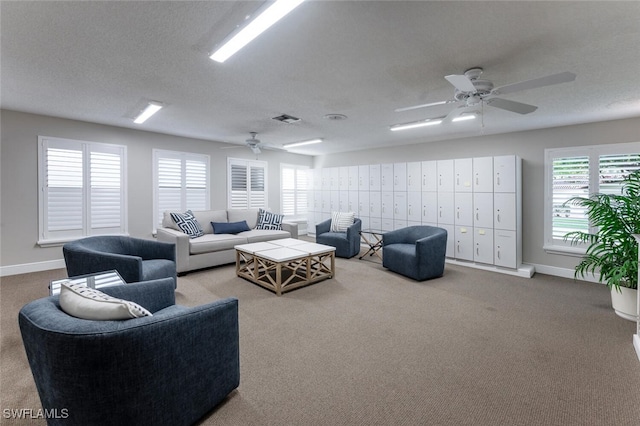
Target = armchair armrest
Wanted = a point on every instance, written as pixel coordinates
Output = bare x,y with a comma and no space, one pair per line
153,295
323,227
401,236
90,261
353,231
149,249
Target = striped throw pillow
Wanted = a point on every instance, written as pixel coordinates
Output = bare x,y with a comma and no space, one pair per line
340,221
268,220
188,224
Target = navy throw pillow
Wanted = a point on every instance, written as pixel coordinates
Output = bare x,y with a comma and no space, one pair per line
230,227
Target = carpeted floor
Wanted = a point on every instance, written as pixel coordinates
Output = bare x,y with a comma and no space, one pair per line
370,347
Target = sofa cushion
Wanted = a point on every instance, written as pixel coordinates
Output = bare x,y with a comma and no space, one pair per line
188,224
269,220
248,215
215,242
229,227
84,302
258,235
205,217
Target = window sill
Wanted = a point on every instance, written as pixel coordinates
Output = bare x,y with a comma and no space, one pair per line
565,251
61,241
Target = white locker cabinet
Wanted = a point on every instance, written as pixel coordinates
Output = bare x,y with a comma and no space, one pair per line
353,202
504,173
414,176
387,224
399,224
343,205
311,200
483,174
386,211
334,205
386,177
505,243
445,208
464,243
400,177
505,213
483,242
429,176
374,177
429,213
375,223
451,239
343,178
483,209
317,179
375,204
400,205
414,207
463,204
445,175
325,207
325,184
363,204
353,178
363,178
334,178
365,222
463,170
317,201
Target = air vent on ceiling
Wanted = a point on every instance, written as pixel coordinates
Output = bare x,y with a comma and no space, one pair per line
286,119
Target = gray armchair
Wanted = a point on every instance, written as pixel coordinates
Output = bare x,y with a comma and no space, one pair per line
417,252
135,259
347,244
167,369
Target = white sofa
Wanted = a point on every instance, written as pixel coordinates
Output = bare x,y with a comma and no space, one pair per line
216,249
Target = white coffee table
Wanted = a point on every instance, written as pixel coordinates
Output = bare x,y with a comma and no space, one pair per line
284,265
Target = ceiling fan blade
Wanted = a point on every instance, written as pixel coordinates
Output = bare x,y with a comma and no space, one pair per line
563,77
425,105
512,106
461,82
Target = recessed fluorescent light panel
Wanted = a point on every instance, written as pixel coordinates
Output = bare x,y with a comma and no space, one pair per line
464,117
148,111
266,19
415,124
302,143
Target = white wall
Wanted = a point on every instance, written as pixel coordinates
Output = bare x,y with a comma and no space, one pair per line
530,147
19,178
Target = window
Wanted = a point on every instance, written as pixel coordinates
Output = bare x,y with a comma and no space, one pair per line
180,182
82,189
294,186
579,172
247,184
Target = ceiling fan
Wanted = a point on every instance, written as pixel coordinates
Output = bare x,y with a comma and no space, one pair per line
472,91
255,145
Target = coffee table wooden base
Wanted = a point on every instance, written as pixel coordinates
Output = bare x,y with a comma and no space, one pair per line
285,275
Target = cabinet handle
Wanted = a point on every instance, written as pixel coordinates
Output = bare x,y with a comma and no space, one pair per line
458,180
440,212
458,214
440,181
498,252
477,181
478,251
498,217
458,246
477,216
497,178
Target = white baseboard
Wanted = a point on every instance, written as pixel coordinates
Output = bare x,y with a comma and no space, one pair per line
561,272
525,271
636,344
25,268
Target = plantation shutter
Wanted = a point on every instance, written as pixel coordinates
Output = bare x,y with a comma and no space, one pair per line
613,169
247,184
294,182
570,179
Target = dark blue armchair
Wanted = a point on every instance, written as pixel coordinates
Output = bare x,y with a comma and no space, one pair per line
417,252
347,244
135,259
171,368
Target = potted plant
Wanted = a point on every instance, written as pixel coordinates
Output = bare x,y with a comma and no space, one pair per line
613,251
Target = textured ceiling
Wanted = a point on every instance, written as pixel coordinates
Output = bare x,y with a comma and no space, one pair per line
100,61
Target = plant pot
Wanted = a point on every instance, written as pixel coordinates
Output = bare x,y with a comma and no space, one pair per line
625,303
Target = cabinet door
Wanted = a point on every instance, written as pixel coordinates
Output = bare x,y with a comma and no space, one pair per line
483,241
363,178
464,243
375,223
505,248
353,202
334,178
317,179
317,201
353,178
429,208
483,209
504,173
400,177
445,208
429,179
334,201
343,205
463,169
343,178
375,201
451,239
363,204
325,207
387,205
483,174
400,206
414,177
504,206
386,177
445,175
399,224
326,179
386,224
463,203
414,206
374,177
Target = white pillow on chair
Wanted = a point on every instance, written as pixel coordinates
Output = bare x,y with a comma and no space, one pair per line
340,221
84,302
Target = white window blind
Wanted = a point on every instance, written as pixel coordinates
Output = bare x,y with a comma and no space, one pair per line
247,184
181,182
82,189
294,185
579,172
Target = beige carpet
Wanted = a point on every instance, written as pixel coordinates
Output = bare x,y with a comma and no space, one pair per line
370,347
